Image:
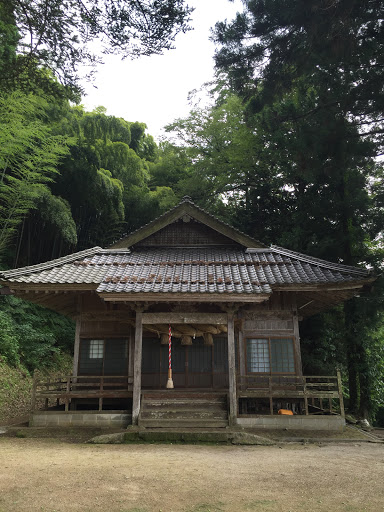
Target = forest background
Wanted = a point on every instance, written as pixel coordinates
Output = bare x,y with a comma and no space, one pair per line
288,151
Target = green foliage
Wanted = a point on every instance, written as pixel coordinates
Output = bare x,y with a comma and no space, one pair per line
335,46
56,212
61,35
32,336
9,342
29,155
9,35
101,189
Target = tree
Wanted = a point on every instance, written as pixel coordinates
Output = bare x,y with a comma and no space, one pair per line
234,161
310,74
29,155
338,46
61,36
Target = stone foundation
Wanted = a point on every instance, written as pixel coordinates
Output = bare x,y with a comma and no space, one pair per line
102,419
294,422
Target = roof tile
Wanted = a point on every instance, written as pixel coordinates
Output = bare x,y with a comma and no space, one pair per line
185,270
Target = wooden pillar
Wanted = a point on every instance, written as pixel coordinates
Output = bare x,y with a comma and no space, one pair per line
130,359
296,341
76,349
232,369
137,366
242,362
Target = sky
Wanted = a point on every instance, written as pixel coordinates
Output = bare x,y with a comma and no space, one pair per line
154,90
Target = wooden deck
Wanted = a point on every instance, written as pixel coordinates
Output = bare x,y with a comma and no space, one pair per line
68,388
317,394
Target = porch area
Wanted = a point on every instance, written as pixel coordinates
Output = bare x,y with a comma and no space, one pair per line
313,402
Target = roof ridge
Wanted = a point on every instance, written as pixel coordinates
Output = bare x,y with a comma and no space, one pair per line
186,199
52,263
150,222
318,261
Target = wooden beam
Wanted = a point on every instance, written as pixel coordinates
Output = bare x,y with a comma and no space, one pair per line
137,367
185,297
184,318
327,287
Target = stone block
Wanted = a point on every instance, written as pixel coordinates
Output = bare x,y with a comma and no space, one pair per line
294,422
64,420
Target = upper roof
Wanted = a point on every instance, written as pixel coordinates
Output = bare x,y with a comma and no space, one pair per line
185,212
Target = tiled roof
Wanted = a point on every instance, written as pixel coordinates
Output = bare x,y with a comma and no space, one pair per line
186,270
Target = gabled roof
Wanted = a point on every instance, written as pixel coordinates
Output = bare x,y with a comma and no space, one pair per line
186,208
242,272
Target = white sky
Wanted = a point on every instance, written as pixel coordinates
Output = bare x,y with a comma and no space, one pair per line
154,90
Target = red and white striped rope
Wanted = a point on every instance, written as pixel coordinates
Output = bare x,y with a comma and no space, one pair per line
169,347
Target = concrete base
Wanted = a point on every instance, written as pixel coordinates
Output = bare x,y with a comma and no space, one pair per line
103,419
336,423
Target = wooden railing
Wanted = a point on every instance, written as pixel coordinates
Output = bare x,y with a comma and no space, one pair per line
313,390
69,387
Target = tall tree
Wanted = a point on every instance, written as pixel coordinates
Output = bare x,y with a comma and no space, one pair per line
312,73
338,46
29,155
62,36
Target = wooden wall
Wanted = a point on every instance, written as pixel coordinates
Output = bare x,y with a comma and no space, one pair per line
275,318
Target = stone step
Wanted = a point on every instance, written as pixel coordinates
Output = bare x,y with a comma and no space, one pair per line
184,414
212,397
194,404
182,423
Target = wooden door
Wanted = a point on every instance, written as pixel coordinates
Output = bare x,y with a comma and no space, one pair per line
193,366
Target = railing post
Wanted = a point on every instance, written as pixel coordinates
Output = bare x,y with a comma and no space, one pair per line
270,395
305,397
340,390
48,388
101,389
68,388
34,387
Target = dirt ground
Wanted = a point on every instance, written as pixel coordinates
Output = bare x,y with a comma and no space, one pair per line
53,476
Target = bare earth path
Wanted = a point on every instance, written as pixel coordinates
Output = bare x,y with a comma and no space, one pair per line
50,475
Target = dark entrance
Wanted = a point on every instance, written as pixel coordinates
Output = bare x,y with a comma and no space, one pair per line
193,366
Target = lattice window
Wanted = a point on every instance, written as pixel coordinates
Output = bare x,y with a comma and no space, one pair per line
270,355
258,355
282,355
96,349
